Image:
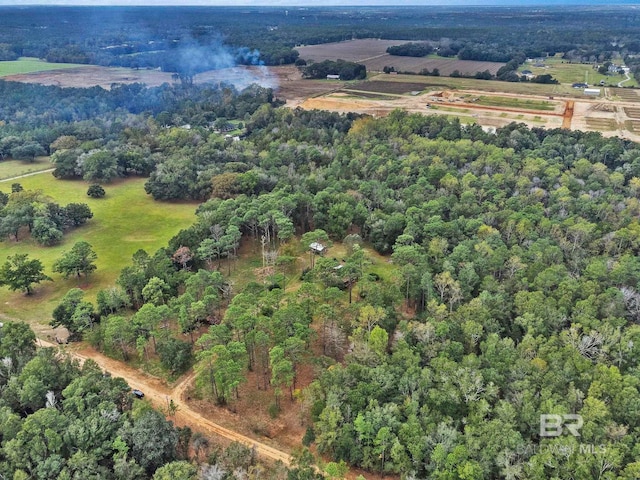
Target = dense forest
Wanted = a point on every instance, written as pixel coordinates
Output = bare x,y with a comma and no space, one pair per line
510,289
61,420
484,280
193,39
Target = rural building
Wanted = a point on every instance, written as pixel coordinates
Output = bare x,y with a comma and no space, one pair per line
317,248
224,128
333,77
592,91
580,85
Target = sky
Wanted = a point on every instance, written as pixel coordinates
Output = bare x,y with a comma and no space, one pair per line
320,3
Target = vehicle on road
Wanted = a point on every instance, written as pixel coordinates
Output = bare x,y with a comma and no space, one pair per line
137,393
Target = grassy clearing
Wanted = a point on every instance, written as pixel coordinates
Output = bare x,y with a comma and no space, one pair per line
31,65
511,102
569,73
15,168
126,220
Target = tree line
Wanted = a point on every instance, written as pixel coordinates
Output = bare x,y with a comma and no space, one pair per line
271,34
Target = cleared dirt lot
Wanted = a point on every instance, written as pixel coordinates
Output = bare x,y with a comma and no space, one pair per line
351,50
105,77
560,107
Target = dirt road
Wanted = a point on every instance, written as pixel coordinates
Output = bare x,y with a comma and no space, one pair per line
568,115
160,396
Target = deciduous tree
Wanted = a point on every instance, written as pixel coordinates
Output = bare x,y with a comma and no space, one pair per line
20,273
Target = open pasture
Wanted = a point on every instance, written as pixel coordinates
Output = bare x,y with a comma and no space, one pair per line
15,168
571,72
126,220
30,65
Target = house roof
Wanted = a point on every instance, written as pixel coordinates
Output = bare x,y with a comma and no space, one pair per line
318,247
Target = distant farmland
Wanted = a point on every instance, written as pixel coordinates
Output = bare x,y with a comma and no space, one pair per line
372,53
30,65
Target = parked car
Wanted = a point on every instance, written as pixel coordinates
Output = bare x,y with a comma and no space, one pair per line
137,393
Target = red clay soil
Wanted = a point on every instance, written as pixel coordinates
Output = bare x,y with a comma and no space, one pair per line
568,115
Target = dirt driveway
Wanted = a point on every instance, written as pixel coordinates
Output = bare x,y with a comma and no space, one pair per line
157,392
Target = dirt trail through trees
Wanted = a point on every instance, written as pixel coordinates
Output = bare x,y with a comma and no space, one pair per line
161,396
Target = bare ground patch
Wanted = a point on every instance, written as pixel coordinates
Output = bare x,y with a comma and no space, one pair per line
105,77
396,88
632,112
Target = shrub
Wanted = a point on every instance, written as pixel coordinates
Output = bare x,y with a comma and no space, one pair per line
96,191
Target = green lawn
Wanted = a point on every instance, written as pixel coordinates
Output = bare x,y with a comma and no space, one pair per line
568,73
126,220
13,168
30,65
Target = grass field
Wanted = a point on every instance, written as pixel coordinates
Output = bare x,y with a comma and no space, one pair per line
14,168
126,220
511,102
31,65
441,83
569,73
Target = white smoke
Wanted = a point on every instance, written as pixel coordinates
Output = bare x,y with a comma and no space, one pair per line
218,63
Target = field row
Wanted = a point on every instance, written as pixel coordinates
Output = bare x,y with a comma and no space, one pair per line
626,94
632,112
604,124
373,54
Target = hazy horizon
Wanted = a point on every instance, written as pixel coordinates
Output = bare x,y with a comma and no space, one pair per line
314,3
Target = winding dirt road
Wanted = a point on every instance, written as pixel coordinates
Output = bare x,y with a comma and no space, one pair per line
160,396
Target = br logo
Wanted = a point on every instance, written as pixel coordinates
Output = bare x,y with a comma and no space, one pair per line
553,425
